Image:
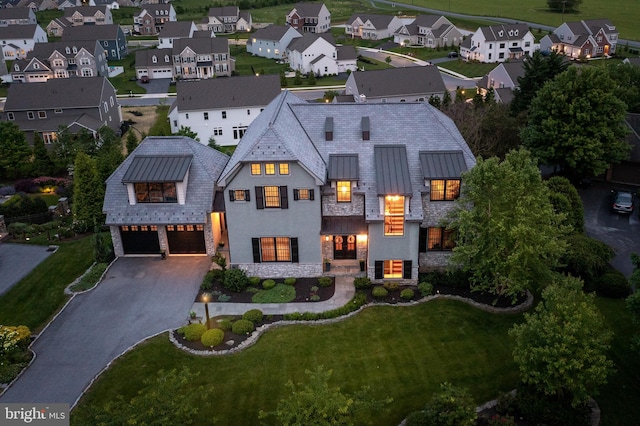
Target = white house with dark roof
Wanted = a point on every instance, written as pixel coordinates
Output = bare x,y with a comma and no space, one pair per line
409,84
372,27
503,79
314,181
18,40
175,30
588,38
17,16
272,41
429,31
497,43
309,18
227,19
222,108
162,198
318,53
38,5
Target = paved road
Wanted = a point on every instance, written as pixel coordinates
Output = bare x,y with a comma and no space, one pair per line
17,260
138,298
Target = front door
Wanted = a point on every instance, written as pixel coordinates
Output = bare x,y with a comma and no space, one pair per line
344,247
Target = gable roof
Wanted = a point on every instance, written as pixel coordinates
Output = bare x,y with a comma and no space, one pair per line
399,81
45,50
152,9
272,32
378,21
172,29
91,32
201,45
144,58
307,9
514,70
85,11
15,13
18,31
346,53
224,11
392,170
233,92
73,93
504,32
427,21
301,44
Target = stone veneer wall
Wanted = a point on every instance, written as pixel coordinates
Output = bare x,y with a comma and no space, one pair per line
162,239
434,212
330,207
117,242
371,273
281,269
209,244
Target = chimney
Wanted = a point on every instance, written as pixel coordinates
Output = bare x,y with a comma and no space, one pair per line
328,129
365,129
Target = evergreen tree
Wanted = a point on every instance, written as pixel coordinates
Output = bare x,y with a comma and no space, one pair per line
446,99
297,80
15,153
311,78
132,141
42,163
88,192
186,131
435,101
283,80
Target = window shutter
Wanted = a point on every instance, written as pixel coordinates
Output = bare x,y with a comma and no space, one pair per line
422,243
311,197
379,269
259,198
296,194
294,250
247,195
406,269
255,243
284,198
232,195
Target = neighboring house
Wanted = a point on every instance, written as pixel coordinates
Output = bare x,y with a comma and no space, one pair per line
56,27
18,40
9,3
372,27
410,84
272,41
222,108
309,18
111,38
227,19
503,79
589,39
17,16
497,43
202,58
318,53
152,18
38,5
314,181
175,30
114,4
154,63
81,103
61,60
88,15
162,198
429,31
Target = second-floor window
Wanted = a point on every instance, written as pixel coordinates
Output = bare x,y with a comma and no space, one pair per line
156,192
30,115
343,193
445,190
224,114
303,194
270,169
206,115
239,195
394,215
256,169
272,197
283,168
439,239
42,114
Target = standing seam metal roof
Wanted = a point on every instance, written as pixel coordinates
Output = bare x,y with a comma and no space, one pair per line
392,170
442,164
157,168
343,167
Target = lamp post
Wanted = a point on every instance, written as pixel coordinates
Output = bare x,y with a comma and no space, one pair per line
205,299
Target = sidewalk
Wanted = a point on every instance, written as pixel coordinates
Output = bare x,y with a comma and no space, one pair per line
344,292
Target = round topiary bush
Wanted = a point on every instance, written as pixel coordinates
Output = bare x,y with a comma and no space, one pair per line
290,281
391,285
193,332
254,315
224,324
407,294
213,337
379,292
268,284
242,327
325,281
254,281
425,289
235,280
614,286
361,283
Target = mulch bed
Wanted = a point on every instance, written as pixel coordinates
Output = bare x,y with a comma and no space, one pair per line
484,298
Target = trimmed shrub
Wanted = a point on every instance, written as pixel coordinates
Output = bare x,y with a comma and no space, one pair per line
220,260
425,289
268,284
254,281
254,315
586,258
360,299
207,282
290,281
379,292
224,324
391,285
235,280
193,332
242,326
407,294
325,281
213,337
361,283
418,418
314,298
614,286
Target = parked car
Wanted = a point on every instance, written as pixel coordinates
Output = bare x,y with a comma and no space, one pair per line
144,79
452,55
622,201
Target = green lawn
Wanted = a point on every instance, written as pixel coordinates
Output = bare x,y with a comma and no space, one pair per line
124,82
470,69
244,62
161,127
39,295
400,352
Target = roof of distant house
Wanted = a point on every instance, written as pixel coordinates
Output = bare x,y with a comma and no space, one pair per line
14,12
378,21
91,32
84,10
18,31
172,29
273,32
202,45
308,9
56,93
399,82
301,44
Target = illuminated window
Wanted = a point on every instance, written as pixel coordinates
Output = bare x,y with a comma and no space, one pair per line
445,190
270,169
284,168
440,239
275,249
256,169
271,196
239,195
303,194
156,192
393,269
344,192
394,215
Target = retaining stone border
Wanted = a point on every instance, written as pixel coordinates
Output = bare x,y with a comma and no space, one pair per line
253,338
70,292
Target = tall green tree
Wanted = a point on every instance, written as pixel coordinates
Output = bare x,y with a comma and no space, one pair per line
109,153
565,199
576,122
64,148
508,235
88,192
564,5
15,153
538,69
132,141
627,84
561,348
42,162
186,131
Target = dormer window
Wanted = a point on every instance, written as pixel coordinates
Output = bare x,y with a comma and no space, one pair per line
445,189
343,191
68,50
366,129
16,67
394,215
36,66
154,59
156,192
328,129
74,50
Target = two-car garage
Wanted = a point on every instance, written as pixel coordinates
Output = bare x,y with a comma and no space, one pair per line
145,239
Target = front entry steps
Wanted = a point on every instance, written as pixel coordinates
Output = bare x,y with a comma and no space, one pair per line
344,268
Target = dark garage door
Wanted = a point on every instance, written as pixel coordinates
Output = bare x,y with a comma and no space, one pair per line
186,239
141,239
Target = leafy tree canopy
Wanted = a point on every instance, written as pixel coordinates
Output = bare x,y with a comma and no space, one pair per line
15,152
576,122
186,131
564,5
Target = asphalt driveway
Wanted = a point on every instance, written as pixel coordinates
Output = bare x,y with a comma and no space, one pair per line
139,297
17,260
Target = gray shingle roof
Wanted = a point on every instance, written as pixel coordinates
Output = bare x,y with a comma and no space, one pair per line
272,33
224,11
232,92
308,9
379,21
504,32
205,168
426,20
14,13
392,170
346,53
84,10
399,81
144,58
18,31
301,44
343,167
45,50
153,8
56,93
91,32
157,168
201,45
176,29
442,164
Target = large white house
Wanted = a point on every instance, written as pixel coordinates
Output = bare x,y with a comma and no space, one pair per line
318,53
497,43
272,41
18,40
221,108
